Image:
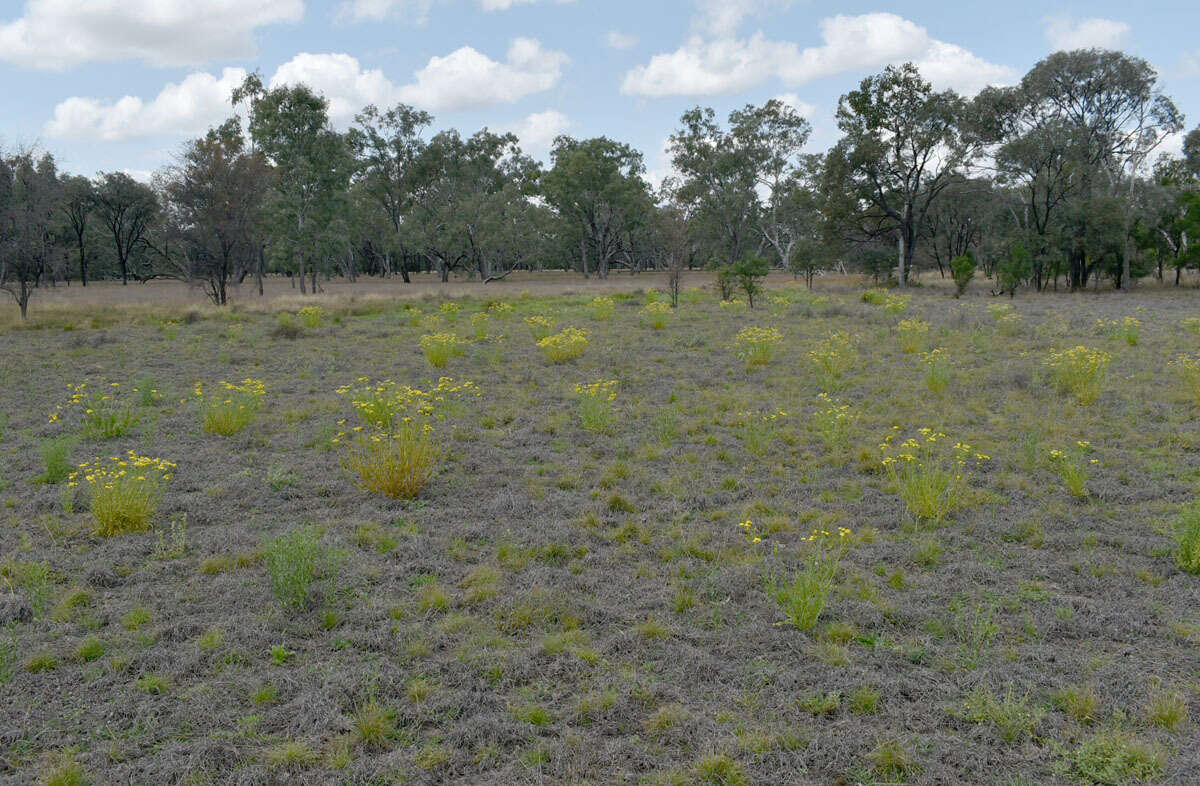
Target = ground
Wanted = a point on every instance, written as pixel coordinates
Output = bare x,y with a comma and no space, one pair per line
564,605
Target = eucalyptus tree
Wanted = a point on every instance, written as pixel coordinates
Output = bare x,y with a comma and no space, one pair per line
386,146
596,187
127,209
30,244
214,197
290,127
77,206
901,148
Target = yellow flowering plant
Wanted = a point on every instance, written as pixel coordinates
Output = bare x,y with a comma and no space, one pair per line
540,326
757,430
234,406
937,369
499,308
1072,465
1127,329
595,404
911,334
450,310
929,473
479,325
1188,370
124,491
395,450
802,596
567,344
601,308
103,411
1187,539
832,358
311,316
657,314
733,305
1080,372
440,347
832,420
756,346
1191,325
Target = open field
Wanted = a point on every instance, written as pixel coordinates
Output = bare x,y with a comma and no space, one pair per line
641,591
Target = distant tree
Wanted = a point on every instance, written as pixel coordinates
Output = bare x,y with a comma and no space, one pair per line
29,244
962,270
901,149
748,272
77,206
127,209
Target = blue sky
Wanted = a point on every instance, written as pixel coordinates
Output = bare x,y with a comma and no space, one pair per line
120,84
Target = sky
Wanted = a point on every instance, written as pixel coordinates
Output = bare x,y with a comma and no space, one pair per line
111,85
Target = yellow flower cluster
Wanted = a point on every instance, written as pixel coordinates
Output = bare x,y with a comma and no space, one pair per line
1127,329
822,534
1080,371
540,326
937,369
756,345
1188,369
831,358
567,344
77,394
930,477
601,308
440,347
752,533
450,309
894,304
311,316
234,409
124,490
733,305
658,314
479,324
1191,325
605,390
382,405
499,307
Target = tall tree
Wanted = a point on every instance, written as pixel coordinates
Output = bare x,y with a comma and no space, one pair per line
902,148
29,244
127,208
77,205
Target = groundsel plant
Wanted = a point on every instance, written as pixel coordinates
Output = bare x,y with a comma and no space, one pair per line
911,334
395,448
832,420
601,308
657,314
929,473
479,325
831,358
123,491
440,347
1127,329
1072,466
802,595
1080,372
103,411
540,326
937,369
311,316
567,344
757,430
232,407
1188,370
756,346
595,404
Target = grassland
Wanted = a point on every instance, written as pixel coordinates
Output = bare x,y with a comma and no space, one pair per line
609,595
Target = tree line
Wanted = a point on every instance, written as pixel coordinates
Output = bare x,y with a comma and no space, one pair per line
1058,180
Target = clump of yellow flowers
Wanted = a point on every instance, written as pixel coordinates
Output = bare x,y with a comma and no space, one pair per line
311,316
831,358
1071,466
756,346
911,334
832,420
440,347
595,403
124,491
1080,371
937,369
395,449
929,473
657,314
1127,329
601,308
234,407
540,326
756,430
1188,369
479,325
104,413
567,344
450,310
802,595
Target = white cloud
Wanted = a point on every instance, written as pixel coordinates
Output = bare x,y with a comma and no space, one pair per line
1189,65
1065,33
57,34
187,107
537,131
618,40
462,79
466,78
504,5
802,108
725,64
413,11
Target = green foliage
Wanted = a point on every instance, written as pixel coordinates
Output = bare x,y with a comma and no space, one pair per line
1187,539
1013,269
56,455
748,272
294,562
1114,757
962,270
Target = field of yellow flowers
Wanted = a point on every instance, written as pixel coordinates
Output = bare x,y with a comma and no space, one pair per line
848,536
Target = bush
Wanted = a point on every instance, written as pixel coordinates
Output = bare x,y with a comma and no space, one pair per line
601,308
749,272
567,344
311,316
962,270
294,562
440,347
125,492
911,334
540,326
234,409
1187,538
930,475
397,463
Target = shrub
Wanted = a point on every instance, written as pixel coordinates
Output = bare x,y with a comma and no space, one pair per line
930,475
831,359
540,326
124,491
748,272
911,334
56,455
962,270
595,404
1187,539
1011,715
601,308
656,314
104,416
440,347
756,346
1080,372
311,316
1127,329
802,597
294,562
567,344
235,408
